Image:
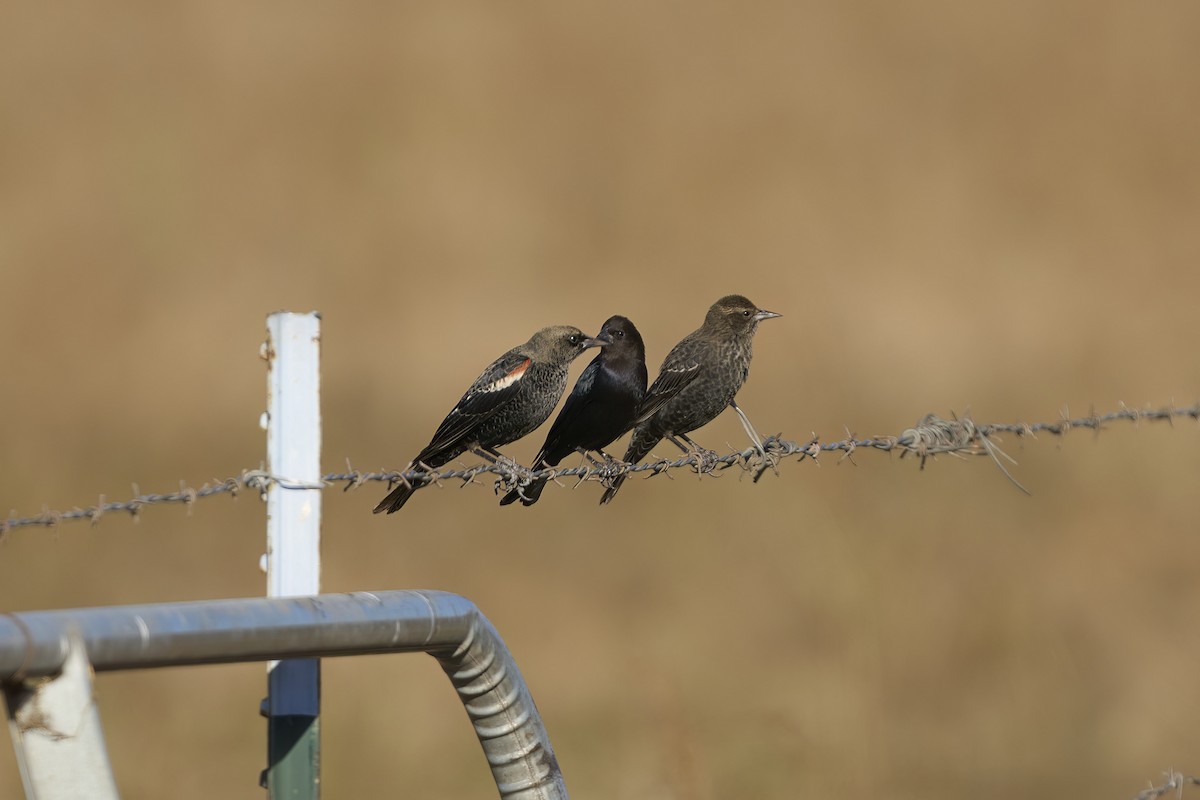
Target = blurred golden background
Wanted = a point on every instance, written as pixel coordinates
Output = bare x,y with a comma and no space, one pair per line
973,207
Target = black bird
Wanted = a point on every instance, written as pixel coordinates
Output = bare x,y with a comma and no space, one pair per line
510,399
605,403
720,351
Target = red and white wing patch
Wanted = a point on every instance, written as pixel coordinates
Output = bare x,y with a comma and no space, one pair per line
509,379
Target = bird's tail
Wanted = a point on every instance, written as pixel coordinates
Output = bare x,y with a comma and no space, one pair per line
640,444
611,491
396,498
399,496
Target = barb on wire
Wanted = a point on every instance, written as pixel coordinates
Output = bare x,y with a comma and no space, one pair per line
248,479
1173,783
932,436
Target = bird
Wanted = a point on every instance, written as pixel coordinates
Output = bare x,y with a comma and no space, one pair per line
719,351
512,397
606,401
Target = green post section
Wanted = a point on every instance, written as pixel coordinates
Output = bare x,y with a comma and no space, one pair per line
294,758
294,730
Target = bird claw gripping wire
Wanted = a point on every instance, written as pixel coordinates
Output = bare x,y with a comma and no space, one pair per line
766,455
510,475
703,460
761,460
609,471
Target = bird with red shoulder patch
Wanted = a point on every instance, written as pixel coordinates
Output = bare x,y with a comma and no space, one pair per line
511,398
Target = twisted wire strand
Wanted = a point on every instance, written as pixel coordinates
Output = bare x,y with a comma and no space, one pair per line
1173,783
930,437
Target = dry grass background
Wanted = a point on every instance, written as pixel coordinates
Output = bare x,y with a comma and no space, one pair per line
983,206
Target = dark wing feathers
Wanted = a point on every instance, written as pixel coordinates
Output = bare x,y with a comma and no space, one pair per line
670,381
498,384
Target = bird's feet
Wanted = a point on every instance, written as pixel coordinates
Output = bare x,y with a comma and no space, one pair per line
607,470
765,457
509,474
704,461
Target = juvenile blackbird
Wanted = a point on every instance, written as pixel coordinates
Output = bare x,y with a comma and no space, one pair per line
721,349
607,401
510,399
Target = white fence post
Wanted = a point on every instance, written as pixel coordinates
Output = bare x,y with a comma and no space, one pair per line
293,558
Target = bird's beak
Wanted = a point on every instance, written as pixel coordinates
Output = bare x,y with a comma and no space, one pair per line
761,315
599,340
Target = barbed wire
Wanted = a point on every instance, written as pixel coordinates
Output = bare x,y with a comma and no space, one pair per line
930,437
1175,781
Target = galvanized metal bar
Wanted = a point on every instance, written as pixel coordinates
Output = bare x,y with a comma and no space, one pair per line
449,627
293,557
503,713
56,732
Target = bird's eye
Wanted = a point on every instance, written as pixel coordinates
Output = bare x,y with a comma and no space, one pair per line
618,334
575,338
746,313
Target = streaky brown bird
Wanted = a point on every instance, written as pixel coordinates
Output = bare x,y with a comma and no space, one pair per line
719,351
